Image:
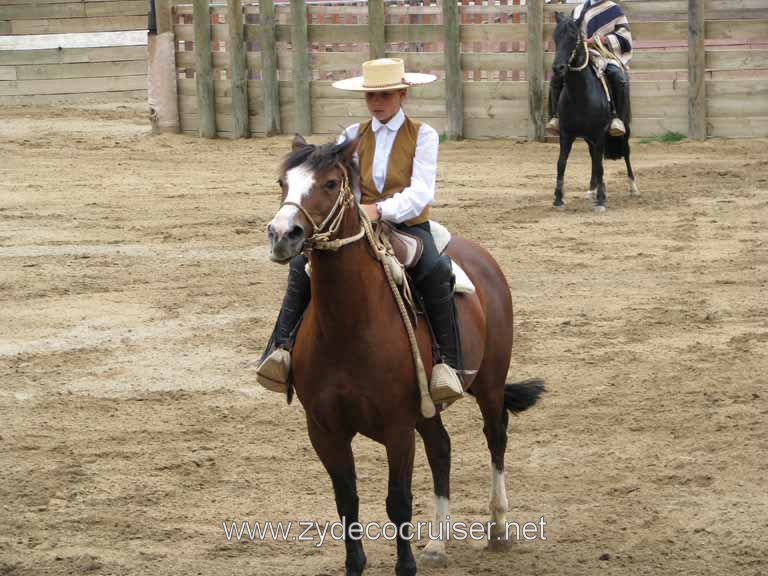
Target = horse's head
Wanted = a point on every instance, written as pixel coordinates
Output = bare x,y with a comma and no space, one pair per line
567,39
311,178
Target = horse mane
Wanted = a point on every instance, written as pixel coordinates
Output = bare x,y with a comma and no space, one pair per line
320,157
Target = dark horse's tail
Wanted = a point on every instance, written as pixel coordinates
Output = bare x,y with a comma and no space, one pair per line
616,147
520,396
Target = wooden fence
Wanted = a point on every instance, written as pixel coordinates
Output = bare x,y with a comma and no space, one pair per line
500,46
57,74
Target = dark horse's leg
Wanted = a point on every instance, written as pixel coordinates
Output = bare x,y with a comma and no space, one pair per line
400,451
566,143
592,192
596,152
336,455
633,190
437,445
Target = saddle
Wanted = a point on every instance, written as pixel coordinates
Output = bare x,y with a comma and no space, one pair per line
408,249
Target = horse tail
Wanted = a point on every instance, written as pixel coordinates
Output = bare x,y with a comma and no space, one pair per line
616,146
520,396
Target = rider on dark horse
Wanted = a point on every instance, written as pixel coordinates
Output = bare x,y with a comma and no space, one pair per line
397,157
603,21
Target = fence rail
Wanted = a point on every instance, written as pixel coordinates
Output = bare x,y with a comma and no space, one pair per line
48,75
496,43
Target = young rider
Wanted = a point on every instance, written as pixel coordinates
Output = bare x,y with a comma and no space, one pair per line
397,157
605,20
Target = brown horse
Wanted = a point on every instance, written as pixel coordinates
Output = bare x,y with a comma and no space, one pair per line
352,366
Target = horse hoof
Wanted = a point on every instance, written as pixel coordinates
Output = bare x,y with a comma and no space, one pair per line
559,206
434,557
590,194
600,209
633,189
499,543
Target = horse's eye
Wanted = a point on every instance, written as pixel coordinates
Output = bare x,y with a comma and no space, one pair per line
331,184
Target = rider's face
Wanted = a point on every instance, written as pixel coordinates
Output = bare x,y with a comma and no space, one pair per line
384,105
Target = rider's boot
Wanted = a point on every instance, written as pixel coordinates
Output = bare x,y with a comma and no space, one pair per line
445,383
620,91
275,363
555,88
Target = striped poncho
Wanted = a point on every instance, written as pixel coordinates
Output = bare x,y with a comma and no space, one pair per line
606,18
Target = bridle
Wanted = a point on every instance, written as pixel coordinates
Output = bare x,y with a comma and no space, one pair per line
582,42
323,234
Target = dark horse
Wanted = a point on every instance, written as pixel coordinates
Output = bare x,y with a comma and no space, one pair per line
585,112
352,365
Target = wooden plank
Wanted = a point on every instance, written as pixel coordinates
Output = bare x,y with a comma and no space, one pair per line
376,29
73,85
121,8
492,32
163,16
535,72
204,69
78,99
737,59
697,104
239,77
728,106
73,55
736,29
454,90
81,70
71,9
738,127
645,127
33,11
302,73
7,73
77,25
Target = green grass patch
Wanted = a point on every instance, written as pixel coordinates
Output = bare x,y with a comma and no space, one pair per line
667,136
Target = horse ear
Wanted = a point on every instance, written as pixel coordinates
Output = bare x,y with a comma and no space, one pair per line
559,17
298,142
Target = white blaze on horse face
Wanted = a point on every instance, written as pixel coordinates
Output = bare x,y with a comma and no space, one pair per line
299,181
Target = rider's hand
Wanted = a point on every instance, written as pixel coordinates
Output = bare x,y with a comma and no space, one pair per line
371,211
592,42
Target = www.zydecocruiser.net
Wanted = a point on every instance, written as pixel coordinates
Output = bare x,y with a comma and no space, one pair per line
319,532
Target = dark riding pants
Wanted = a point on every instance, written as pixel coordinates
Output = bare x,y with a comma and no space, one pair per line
618,83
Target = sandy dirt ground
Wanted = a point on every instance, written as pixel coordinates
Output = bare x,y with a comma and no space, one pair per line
135,290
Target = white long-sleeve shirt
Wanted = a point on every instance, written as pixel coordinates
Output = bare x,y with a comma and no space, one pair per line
412,200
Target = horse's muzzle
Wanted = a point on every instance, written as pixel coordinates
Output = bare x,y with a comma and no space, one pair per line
284,245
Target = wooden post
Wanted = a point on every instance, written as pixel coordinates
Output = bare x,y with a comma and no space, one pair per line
206,100
454,87
269,84
161,63
301,71
697,98
536,70
238,70
376,28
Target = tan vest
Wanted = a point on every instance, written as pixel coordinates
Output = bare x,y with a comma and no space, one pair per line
399,169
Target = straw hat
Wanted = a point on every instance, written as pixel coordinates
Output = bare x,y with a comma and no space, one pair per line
384,74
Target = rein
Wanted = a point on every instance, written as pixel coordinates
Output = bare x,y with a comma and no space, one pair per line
573,55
